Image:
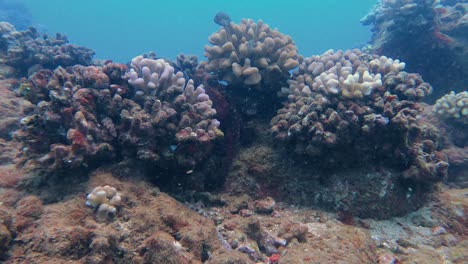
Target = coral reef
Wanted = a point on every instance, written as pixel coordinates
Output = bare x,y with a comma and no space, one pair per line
453,107
450,115
350,108
12,109
429,35
187,64
83,116
5,29
351,144
458,159
66,129
153,227
150,227
27,51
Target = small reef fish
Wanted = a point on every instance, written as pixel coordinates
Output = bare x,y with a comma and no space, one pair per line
222,19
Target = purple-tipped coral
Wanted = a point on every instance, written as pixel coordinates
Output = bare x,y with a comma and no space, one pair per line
68,128
340,110
168,104
86,114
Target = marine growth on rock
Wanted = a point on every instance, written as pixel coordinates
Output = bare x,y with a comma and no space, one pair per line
84,116
349,108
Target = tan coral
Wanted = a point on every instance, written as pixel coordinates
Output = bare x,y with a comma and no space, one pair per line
250,52
350,99
155,76
453,106
105,199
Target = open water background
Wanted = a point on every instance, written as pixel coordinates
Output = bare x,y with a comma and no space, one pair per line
122,29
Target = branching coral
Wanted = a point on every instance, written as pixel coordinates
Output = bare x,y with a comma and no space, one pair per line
67,120
249,53
353,74
453,106
85,116
254,61
341,109
171,105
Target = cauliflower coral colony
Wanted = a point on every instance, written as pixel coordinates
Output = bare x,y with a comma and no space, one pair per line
355,108
82,118
339,109
254,59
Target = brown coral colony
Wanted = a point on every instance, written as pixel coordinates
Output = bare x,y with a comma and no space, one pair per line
353,102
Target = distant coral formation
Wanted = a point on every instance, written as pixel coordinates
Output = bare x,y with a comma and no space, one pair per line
454,107
351,107
28,51
16,13
429,35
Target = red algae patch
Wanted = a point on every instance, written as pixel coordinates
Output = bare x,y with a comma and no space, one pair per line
295,236
152,227
10,176
161,247
11,108
28,210
149,227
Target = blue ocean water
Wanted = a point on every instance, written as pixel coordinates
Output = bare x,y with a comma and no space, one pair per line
122,29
